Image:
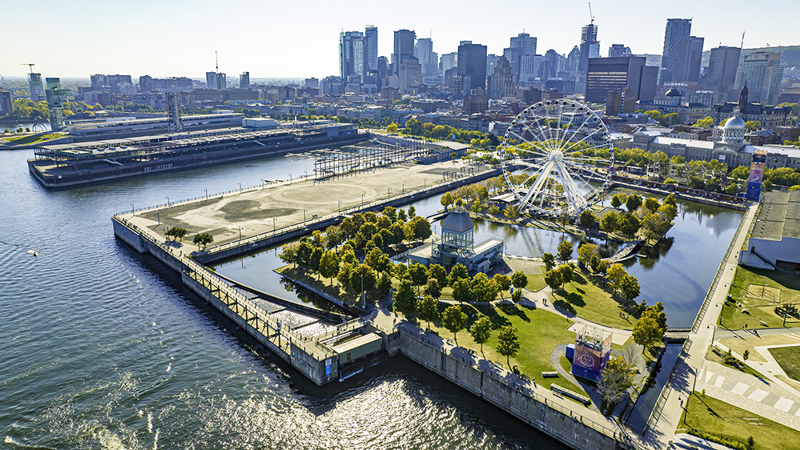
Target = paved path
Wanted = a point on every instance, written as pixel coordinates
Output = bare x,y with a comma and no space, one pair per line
749,393
683,375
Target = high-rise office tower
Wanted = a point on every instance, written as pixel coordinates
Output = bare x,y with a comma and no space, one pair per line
590,46
37,89
521,45
762,73
674,47
222,81
371,48
211,80
607,75
448,61
552,64
428,59
472,65
55,97
501,81
722,65
688,56
244,80
573,59
351,55
618,51
403,47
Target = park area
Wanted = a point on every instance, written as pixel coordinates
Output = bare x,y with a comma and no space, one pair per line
789,360
756,293
732,426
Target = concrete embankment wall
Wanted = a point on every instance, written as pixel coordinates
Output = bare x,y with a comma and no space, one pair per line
560,423
320,370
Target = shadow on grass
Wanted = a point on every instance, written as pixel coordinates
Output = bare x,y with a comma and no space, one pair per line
514,310
497,320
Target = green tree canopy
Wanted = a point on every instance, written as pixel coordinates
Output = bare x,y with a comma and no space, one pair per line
565,250
481,331
404,298
428,309
508,343
454,320
549,261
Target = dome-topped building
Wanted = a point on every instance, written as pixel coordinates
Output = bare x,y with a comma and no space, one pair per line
733,131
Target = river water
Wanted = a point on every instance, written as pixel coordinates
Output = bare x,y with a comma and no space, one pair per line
104,348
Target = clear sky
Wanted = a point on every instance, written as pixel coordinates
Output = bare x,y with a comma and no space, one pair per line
300,38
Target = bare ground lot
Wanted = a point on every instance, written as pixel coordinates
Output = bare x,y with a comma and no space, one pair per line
279,205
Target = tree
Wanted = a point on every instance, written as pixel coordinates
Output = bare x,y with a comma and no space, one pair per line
384,282
630,287
670,200
615,275
404,298
462,291
314,260
412,212
289,253
304,251
629,224
617,378
329,265
511,211
363,274
476,206
392,128
752,125
553,279
454,320
566,273
587,218
333,237
667,212
446,200
481,331
651,204
610,222
176,232
428,309
565,250
391,213
646,331
508,342
633,202
438,272
594,262
418,274
585,253
203,239
503,282
421,228
483,289
401,215
458,272
373,257
549,261
519,279
705,123
432,288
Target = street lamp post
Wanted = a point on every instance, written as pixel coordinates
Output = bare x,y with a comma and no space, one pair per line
206,194
340,206
133,213
404,188
362,199
388,193
304,216
158,217
167,202
273,225
240,188
240,233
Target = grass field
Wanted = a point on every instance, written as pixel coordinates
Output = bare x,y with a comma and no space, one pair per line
539,333
760,291
722,419
789,360
716,355
592,302
26,140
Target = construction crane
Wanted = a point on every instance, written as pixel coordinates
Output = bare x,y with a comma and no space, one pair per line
29,65
591,16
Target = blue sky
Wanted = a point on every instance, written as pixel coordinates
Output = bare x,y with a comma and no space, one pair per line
300,39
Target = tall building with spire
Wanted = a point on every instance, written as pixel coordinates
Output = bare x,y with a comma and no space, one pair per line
590,46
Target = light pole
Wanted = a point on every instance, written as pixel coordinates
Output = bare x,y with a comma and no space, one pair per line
273,225
304,216
306,177
362,199
206,194
133,213
388,193
263,185
240,188
157,217
167,202
240,233
404,188
290,179
340,206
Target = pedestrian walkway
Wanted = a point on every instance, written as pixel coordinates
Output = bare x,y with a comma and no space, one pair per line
750,393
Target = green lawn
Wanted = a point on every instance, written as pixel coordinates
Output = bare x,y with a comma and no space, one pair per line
760,305
540,332
789,360
25,140
722,419
593,302
714,354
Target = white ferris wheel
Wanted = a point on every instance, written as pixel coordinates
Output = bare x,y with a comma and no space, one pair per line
546,141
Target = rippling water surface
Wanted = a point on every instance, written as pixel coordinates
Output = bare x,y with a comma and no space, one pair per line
103,348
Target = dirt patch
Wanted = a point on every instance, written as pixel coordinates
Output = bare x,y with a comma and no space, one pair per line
240,210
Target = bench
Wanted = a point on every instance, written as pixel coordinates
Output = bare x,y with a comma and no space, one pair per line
583,399
549,374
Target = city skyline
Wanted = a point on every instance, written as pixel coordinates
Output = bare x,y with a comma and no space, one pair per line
246,46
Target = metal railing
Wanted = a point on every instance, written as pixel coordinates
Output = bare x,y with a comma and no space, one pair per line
232,297
662,397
